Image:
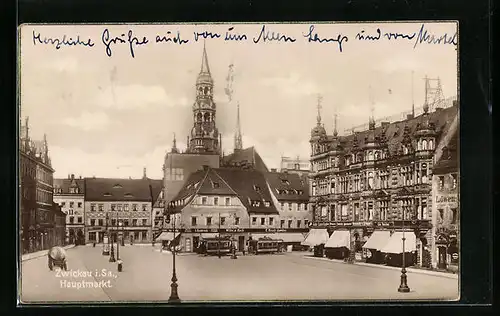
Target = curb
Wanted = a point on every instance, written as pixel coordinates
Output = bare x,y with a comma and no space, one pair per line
41,253
412,270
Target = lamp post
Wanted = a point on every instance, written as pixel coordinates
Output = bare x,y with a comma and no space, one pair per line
218,240
118,244
104,248
233,255
112,254
174,297
403,286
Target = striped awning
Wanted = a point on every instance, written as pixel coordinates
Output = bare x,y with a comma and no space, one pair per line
378,240
339,239
395,243
316,237
209,235
167,236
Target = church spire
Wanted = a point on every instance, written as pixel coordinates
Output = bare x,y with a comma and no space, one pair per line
335,131
238,142
204,61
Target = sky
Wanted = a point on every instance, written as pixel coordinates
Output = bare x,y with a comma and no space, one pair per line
112,116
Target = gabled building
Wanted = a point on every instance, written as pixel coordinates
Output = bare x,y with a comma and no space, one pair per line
378,179
38,212
247,158
69,194
120,205
225,201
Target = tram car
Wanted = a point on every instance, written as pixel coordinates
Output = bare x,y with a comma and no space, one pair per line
57,258
215,246
265,245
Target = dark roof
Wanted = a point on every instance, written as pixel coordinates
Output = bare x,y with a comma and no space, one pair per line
393,133
248,185
448,162
288,186
245,157
71,182
108,189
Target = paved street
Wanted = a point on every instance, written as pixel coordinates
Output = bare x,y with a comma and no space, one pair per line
291,276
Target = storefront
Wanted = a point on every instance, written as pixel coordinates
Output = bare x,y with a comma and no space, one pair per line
374,245
338,245
395,248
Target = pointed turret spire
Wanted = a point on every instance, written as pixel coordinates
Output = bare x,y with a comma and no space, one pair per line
204,61
318,118
412,97
371,121
174,145
238,142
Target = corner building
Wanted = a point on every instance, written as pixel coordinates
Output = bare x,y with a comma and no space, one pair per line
379,179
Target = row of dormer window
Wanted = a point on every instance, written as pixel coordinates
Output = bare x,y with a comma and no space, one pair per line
71,191
118,207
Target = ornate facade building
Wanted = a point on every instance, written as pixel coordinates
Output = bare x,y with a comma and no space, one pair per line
379,179
40,217
296,165
69,194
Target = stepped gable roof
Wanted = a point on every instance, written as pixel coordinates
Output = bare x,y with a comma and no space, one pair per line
288,186
109,189
393,133
66,184
247,155
248,185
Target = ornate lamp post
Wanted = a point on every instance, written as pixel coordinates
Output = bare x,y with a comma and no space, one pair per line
218,240
233,240
403,286
174,297
104,248
118,243
112,254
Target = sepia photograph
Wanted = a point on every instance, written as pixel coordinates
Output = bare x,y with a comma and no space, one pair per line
238,162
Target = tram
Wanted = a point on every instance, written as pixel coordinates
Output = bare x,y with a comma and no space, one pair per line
265,245
215,246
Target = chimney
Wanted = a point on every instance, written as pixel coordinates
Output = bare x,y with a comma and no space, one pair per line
409,116
69,176
273,170
72,176
385,124
80,177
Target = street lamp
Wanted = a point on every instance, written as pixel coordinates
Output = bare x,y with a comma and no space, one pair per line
174,297
112,255
118,244
403,286
233,255
218,240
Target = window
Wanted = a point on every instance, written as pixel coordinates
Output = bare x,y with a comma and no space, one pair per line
441,182
267,203
298,223
271,221
263,221
144,222
216,201
284,181
101,222
134,222
193,221
209,220
92,206
119,207
254,220
223,221
282,223
289,223
113,206
71,212
79,204
454,184
441,215
236,221
228,201
113,222
92,222
216,185
453,215
125,207
92,236
134,207
256,188
71,204
306,223
101,207
79,219
289,206
144,207
204,200
125,222
370,180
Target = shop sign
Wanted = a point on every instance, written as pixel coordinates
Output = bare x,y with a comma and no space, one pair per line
235,230
446,199
275,230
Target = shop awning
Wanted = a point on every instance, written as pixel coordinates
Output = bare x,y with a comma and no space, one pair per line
209,235
316,237
339,238
395,243
290,237
167,236
378,239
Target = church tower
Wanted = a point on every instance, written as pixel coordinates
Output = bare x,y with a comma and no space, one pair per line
204,134
238,142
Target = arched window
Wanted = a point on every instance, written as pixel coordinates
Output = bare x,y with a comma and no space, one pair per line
405,150
424,144
347,161
336,161
370,180
377,155
419,144
359,158
431,144
207,117
199,117
370,155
